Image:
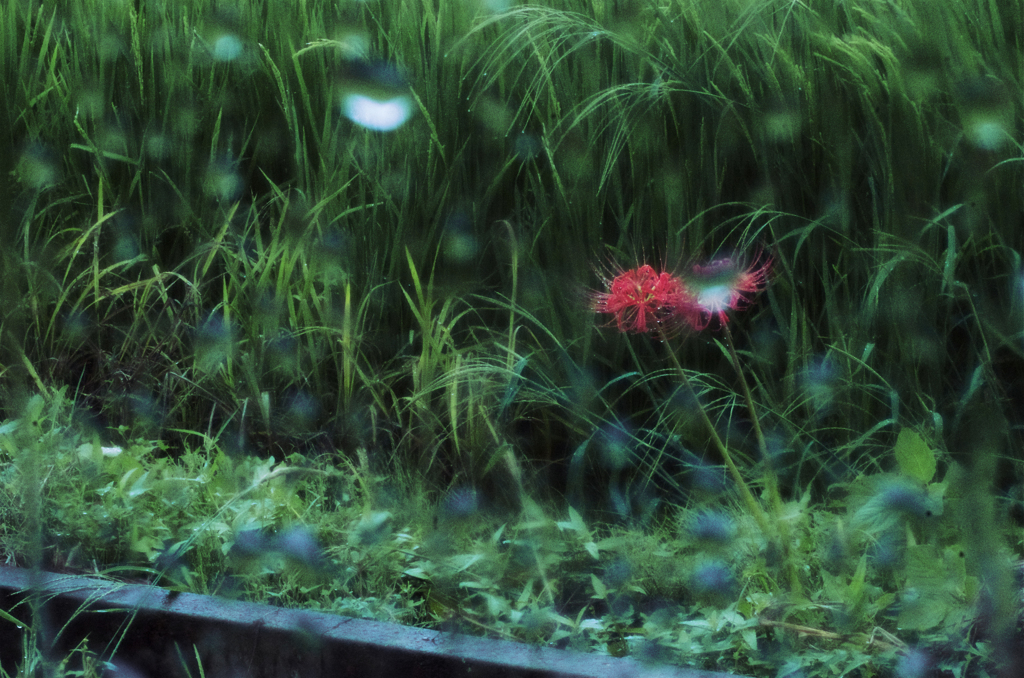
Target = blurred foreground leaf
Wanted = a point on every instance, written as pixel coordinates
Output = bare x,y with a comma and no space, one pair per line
915,458
935,590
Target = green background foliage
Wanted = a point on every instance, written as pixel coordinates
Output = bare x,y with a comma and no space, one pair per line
207,267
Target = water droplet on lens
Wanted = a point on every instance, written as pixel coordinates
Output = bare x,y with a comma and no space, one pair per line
227,48
380,115
375,96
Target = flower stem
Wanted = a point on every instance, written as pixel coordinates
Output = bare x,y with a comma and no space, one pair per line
748,498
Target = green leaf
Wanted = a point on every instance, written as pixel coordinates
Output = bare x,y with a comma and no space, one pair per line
14,620
90,453
750,638
915,458
921,611
473,585
576,521
856,588
934,590
600,590
464,561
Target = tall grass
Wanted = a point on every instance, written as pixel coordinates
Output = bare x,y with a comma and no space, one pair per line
205,251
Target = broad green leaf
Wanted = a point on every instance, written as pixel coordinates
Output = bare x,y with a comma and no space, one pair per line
750,638
856,588
600,590
915,458
140,486
464,561
417,573
934,587
496,605
525,596
921,611
577,521
90,453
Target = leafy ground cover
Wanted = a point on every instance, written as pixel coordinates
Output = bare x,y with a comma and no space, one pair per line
685,330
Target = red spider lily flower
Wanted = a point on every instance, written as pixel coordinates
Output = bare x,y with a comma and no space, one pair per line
643,300
723,285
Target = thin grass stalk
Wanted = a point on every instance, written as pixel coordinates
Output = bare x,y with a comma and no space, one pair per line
348,348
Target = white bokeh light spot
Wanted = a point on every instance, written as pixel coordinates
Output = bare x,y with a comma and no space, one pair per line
375,114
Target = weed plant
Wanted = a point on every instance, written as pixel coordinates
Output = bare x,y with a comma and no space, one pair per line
257,341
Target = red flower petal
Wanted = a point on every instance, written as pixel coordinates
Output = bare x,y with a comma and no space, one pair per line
643,300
